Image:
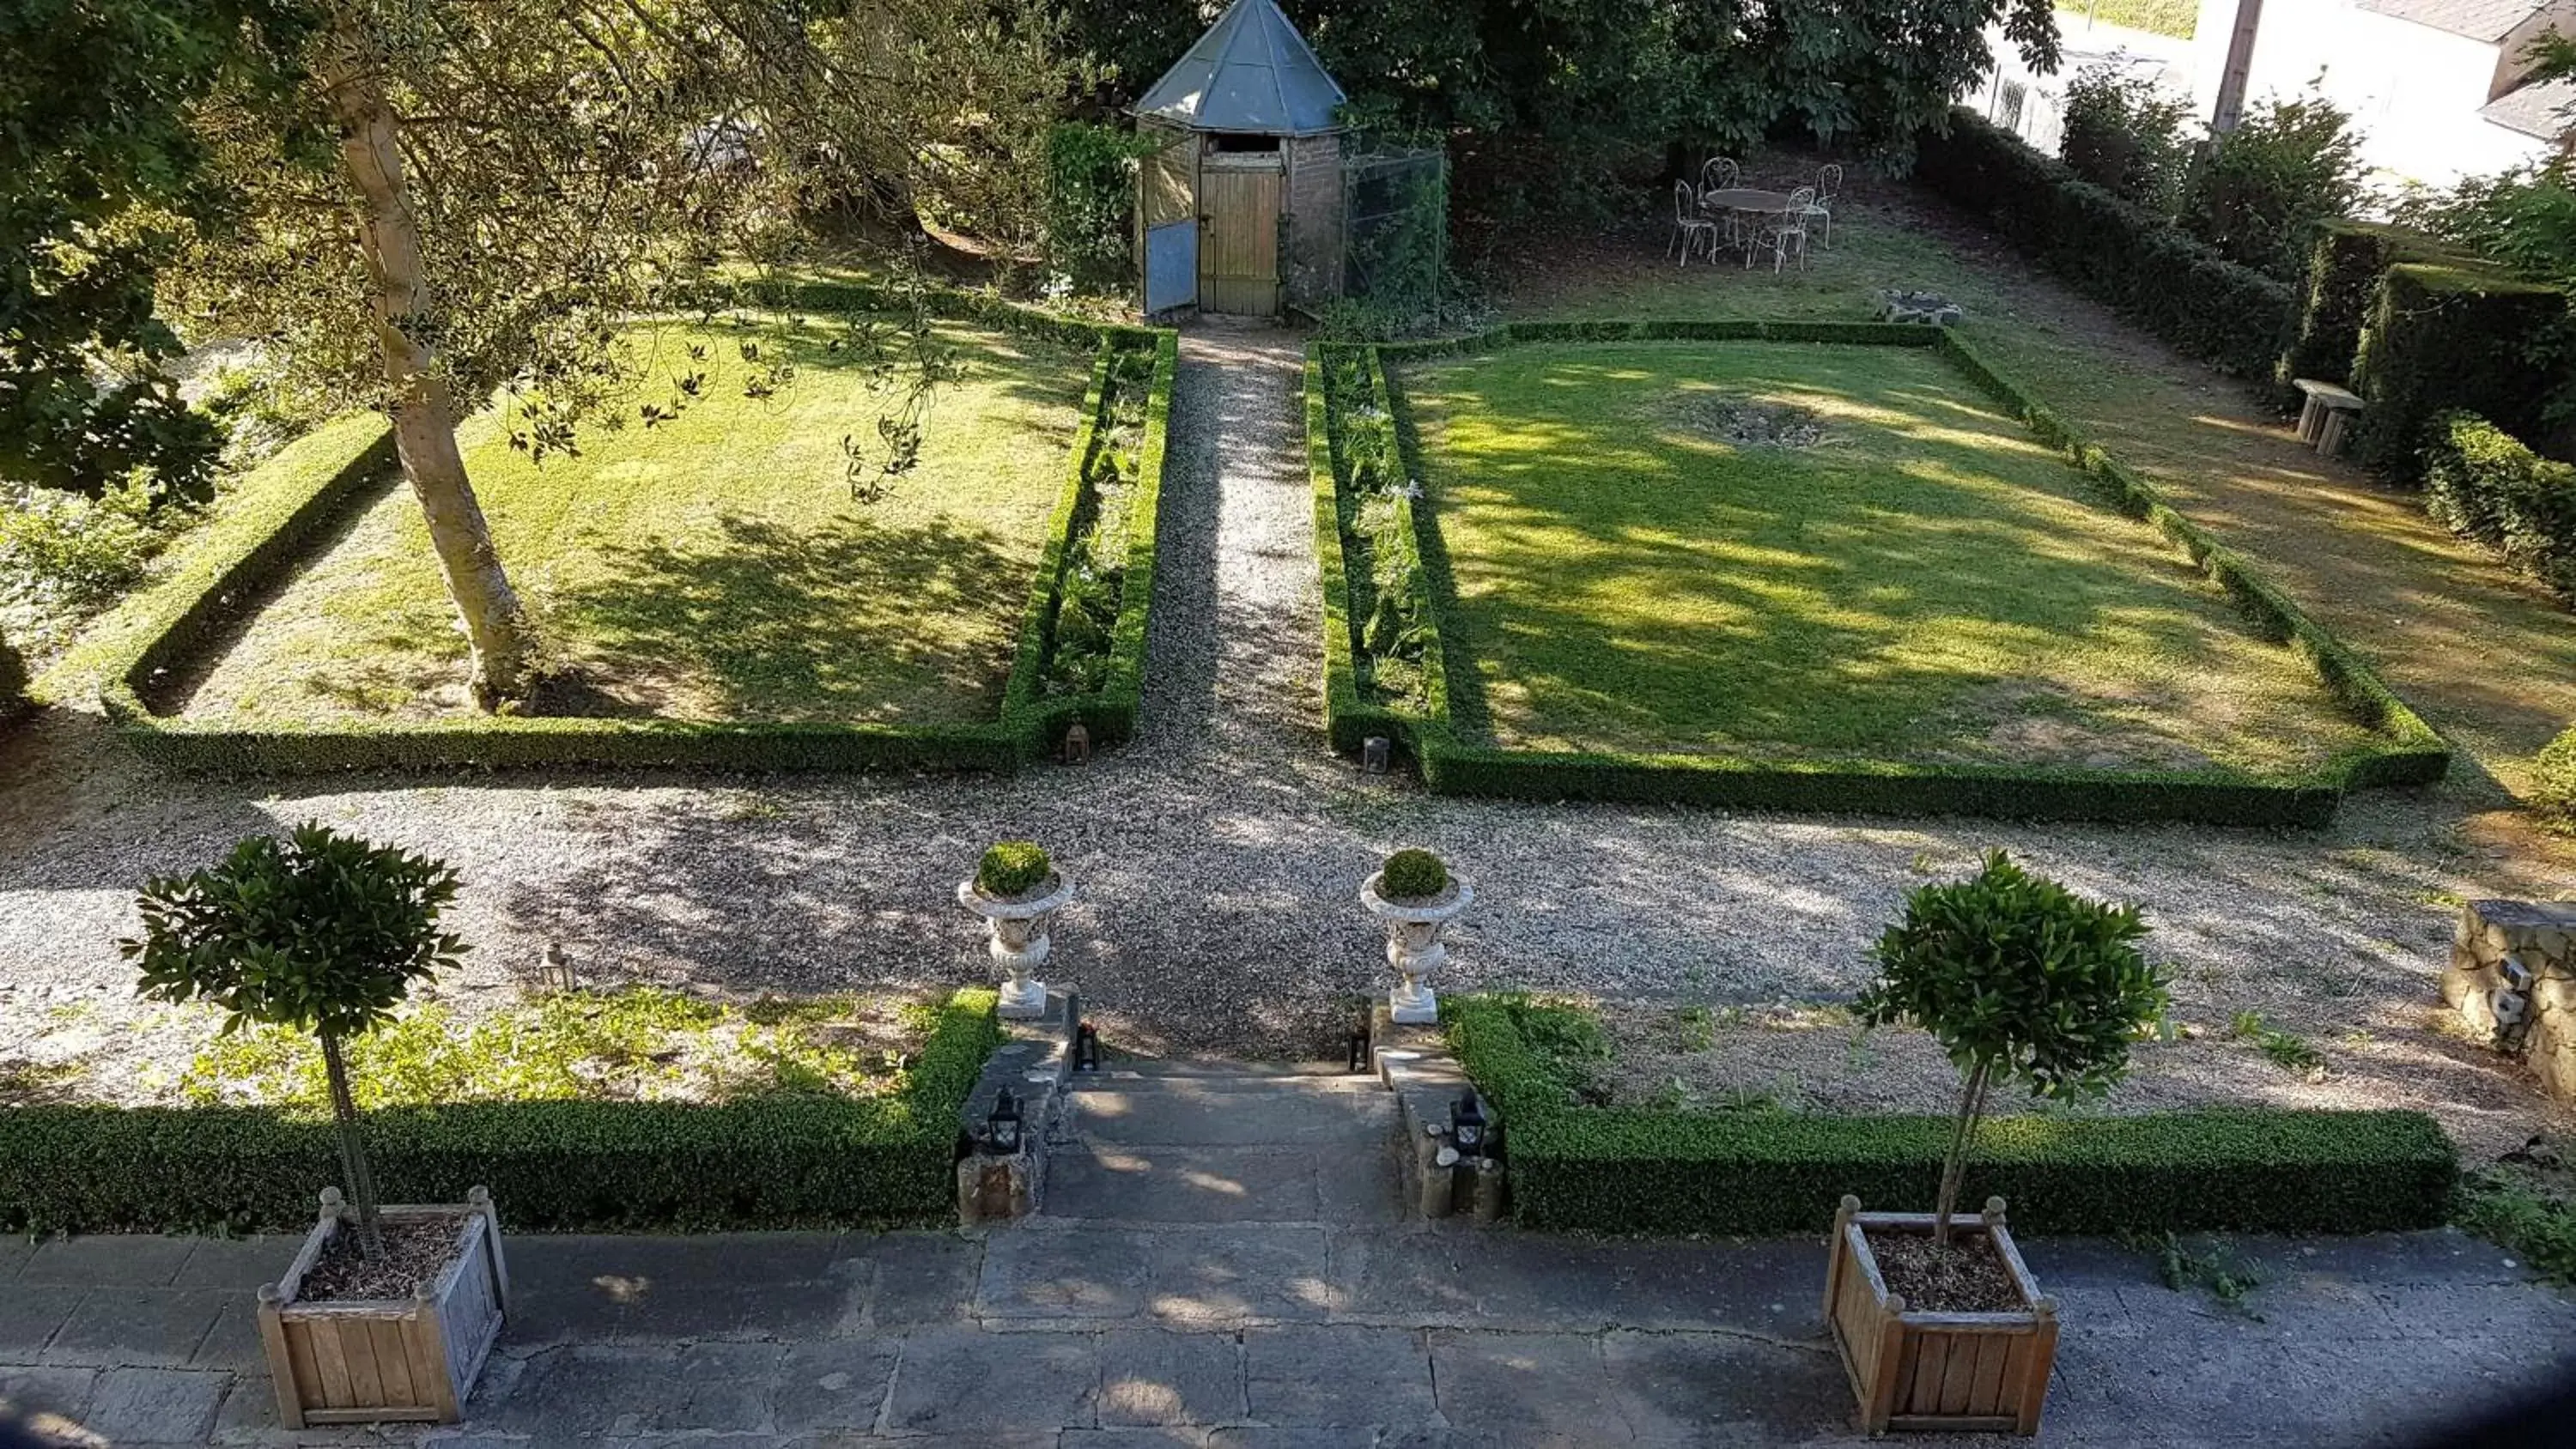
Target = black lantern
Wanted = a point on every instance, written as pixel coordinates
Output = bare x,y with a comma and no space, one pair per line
1360,1043
1086,1048
1002,1129
1467,1125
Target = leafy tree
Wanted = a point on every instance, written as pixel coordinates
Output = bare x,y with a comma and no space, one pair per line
2262,187
2019,979
321,933
2127,135
101,172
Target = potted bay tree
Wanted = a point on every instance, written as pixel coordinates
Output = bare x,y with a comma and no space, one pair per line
1939,1322
386,1312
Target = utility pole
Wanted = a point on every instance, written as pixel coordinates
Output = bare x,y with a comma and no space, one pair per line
2239,68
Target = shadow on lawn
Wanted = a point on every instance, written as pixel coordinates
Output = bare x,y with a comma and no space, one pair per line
852,620
1924,578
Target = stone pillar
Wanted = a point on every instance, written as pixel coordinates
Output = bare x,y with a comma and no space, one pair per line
2512,978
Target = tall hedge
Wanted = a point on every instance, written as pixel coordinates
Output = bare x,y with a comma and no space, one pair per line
2442,336
2482,483
13,679
2344,268
2232,317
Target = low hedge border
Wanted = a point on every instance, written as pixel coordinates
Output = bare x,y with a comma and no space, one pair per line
2411,753
777,1162
331,468
2233,317
1617,1170
13,680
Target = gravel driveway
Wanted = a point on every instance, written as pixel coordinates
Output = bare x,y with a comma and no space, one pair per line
1218,855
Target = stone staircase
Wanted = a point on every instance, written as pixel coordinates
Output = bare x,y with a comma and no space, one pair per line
1224,1142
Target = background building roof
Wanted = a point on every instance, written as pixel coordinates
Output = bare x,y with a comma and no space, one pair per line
1252,72
2476,19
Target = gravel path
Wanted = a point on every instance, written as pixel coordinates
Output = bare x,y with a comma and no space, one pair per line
1218,855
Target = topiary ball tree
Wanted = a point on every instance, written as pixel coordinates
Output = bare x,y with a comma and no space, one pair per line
2553,782
1012,868
1412,875
321,932
2021,980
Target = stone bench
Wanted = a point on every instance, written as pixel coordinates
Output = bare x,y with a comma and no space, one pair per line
2324,413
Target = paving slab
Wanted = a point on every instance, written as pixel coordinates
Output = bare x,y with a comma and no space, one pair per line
1531,1384
32,1391
919,1278
1241,1273
1716,1388
1506,1278
1180,1117
835,1384
587,1391
1182,1184
1162,1437
1159,1377
109,1260
144,1327
155,1405
963,1381
14,1253
233,1340
1338,1375
1065,1273
31,1314
238,1263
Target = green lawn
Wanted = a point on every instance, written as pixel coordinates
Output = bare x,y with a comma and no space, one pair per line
711,566
2177,18
1924,582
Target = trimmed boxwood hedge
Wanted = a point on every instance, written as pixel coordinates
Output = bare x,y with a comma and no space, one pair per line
312,485
13,680
2410,752
2483,483
2443,336
2232,317
2344,268
2249,1170
782,1161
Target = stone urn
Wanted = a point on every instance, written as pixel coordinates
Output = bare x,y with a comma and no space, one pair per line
1019,939
1413,945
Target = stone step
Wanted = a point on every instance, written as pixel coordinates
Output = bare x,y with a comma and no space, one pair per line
1109,1080
1105,1183
1279,1118
1219,1067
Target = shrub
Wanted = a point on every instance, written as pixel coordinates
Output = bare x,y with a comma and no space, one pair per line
770,1162
319,932
69,555
1013,869
2228,315
13,679
2248,1170
2444,336
2265,185
1091,201
2125,134
2553,780
2481,483
1412,875
2020,980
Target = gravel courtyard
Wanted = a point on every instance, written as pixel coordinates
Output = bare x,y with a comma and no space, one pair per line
1218,856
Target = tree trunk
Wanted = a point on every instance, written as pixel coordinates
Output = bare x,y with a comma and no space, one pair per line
353,1153
424,414
1954,1167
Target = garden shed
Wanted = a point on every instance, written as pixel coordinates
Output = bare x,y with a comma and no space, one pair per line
1240,210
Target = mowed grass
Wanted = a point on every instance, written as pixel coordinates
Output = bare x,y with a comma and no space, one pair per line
713,566
1925,582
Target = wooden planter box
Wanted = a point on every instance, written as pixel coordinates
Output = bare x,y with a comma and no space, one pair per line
1975,1372
400,1358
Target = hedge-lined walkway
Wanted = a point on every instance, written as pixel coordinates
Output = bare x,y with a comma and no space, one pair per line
1279,1336
2486,655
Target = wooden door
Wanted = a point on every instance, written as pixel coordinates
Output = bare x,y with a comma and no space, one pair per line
1239,237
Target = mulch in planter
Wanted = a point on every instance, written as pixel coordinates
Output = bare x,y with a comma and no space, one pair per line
1968,1276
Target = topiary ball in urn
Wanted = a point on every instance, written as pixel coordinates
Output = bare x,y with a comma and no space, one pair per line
1013,869
1017,890
1413,895
1413,875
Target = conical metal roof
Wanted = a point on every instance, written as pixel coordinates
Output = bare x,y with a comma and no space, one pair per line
1252,72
